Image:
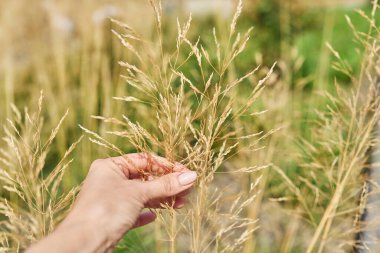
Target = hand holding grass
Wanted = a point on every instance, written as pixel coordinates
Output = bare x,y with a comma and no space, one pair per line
111,201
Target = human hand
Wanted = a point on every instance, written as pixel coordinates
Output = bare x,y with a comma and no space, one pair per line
110,202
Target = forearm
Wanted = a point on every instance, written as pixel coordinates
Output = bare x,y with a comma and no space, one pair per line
73,235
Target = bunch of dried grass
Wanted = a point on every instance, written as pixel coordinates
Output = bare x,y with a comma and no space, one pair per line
188,93
32,202
330,181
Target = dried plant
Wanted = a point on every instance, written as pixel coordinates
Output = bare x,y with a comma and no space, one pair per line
334,161
32,202
188,93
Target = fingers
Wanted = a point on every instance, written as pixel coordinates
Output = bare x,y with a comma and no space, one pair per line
179,202
168,185
138,165
175,202
178,167
184,193
144,219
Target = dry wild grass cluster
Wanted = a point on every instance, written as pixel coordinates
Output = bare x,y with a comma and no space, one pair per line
32,201
334,184
195,105
185,100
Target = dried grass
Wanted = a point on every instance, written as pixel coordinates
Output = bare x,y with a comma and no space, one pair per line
191,101
33,202
335,159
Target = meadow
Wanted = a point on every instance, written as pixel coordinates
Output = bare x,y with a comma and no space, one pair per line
274,106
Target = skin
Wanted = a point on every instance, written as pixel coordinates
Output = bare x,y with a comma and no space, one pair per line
112,201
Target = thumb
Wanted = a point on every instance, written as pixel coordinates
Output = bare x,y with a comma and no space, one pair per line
169,185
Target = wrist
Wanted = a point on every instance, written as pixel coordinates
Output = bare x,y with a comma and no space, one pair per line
83,232
93,236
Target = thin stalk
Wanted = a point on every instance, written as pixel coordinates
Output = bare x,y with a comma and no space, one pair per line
173,231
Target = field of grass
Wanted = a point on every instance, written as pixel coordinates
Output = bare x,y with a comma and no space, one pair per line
274,108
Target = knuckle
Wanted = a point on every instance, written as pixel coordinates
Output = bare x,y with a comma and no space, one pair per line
138,188
144,196
167,185
139,196
96,164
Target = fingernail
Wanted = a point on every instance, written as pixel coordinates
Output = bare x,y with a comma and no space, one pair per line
187,178
179,166
180,205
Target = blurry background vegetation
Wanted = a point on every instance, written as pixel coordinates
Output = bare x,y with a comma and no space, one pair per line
66,48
